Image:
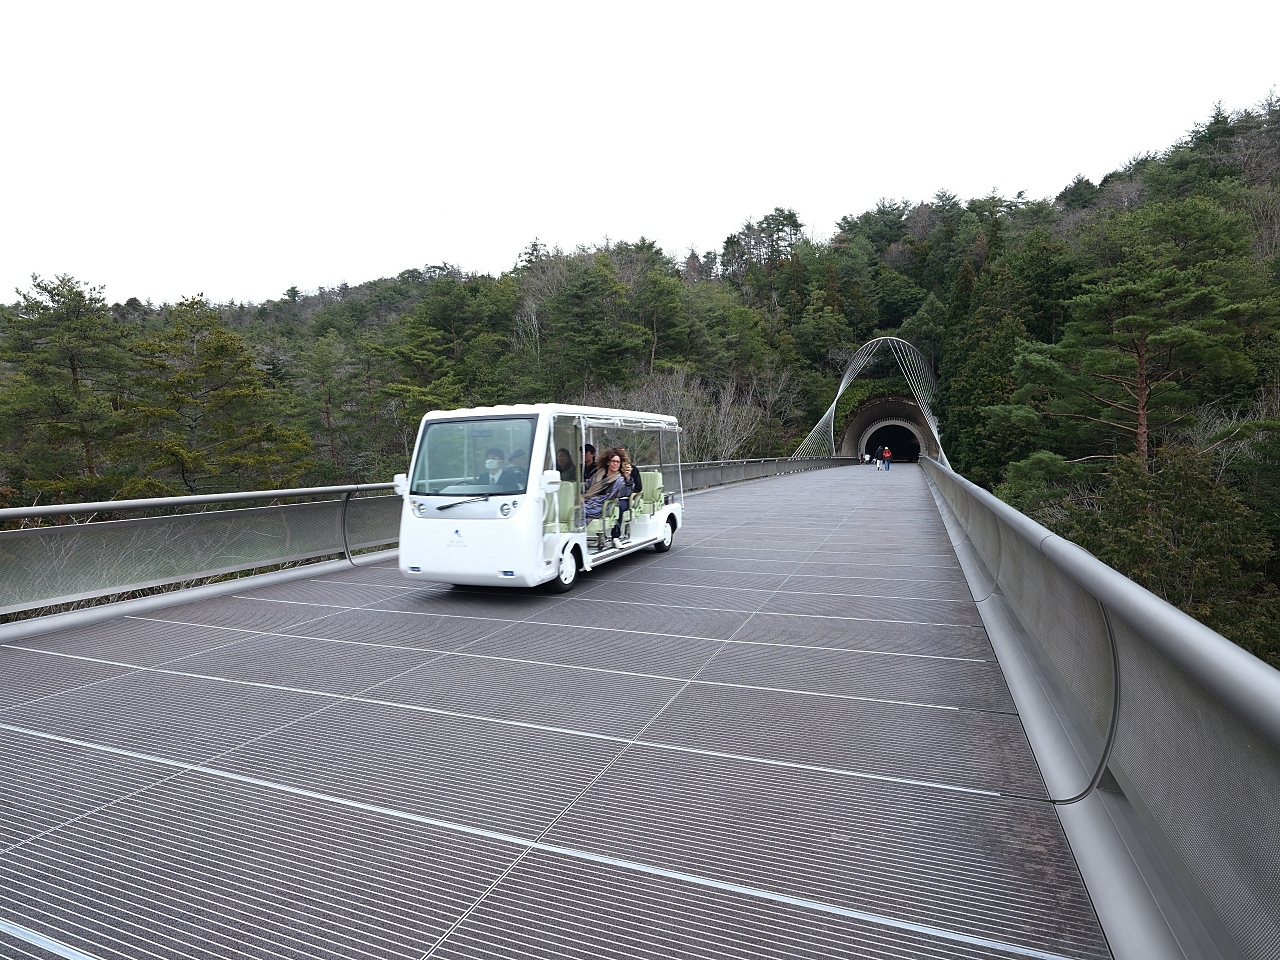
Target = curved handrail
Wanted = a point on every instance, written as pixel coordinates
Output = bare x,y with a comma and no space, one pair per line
1192,740
158,503
1244,684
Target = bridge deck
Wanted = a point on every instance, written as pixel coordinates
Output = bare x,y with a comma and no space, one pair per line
788,737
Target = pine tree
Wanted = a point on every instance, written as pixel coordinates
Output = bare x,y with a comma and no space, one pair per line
61,403
979,376
1188,538
1156,319
206,419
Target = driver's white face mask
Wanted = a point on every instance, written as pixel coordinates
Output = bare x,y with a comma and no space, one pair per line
491,464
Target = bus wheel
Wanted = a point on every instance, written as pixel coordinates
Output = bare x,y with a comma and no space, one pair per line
567,574
668,534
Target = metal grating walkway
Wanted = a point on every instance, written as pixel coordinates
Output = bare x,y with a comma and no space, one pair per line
788,737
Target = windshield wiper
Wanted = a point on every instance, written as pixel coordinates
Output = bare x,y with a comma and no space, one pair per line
458,503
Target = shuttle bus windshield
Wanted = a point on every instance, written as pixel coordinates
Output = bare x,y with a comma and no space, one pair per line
474,457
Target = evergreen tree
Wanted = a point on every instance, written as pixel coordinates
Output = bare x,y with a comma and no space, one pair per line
1050,275
978,375
593,337
1186,537
61,400
961,295
1157,318
206,420
926,329
425,380
659,305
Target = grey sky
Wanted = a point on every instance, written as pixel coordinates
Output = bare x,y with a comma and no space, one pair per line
235,149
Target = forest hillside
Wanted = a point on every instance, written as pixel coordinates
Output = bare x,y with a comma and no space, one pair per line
1108,360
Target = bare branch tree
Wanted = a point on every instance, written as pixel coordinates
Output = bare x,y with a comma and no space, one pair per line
1230,436
540,279
716,422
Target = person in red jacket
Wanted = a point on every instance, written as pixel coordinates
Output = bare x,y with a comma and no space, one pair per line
888,457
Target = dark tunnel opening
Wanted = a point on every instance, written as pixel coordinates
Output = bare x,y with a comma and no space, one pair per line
900,441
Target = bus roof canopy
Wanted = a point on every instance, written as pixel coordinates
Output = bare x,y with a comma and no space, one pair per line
594,416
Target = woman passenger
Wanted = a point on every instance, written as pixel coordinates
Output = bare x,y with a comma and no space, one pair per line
607,484
630,473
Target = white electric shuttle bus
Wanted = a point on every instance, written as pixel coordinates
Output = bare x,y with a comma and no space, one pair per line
494,495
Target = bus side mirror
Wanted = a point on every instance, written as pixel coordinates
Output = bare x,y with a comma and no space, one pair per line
401,482
551,480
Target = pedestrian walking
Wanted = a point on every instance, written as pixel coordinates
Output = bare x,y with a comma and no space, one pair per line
888,457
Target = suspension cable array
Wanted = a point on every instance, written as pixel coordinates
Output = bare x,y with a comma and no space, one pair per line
821,441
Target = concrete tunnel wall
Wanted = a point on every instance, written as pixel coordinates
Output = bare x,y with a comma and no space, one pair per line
884,411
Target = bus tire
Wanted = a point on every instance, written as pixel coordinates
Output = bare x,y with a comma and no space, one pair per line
668,535
566,573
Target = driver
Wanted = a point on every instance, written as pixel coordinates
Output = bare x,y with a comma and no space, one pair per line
496,473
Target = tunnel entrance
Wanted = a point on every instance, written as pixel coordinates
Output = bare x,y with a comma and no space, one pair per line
861,431
901,441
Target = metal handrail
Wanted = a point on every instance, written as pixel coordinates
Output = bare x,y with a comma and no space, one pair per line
1247,686
1190,733
159,503
51,565
56,564
748,460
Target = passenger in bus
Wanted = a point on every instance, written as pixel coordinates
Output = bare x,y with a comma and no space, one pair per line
608,484
496,473
564,463
630,473
588,462
520,464
632,476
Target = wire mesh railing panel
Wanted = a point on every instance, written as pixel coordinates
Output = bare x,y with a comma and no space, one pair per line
984,533
48,565
1210,783
1070,625
373,521
1196,747
59,564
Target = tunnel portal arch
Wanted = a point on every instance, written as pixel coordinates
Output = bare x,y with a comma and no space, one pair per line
881,412
919,418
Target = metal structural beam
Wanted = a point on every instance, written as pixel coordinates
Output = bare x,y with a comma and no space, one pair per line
821,441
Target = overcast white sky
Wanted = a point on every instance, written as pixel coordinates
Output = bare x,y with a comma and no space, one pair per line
235,149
